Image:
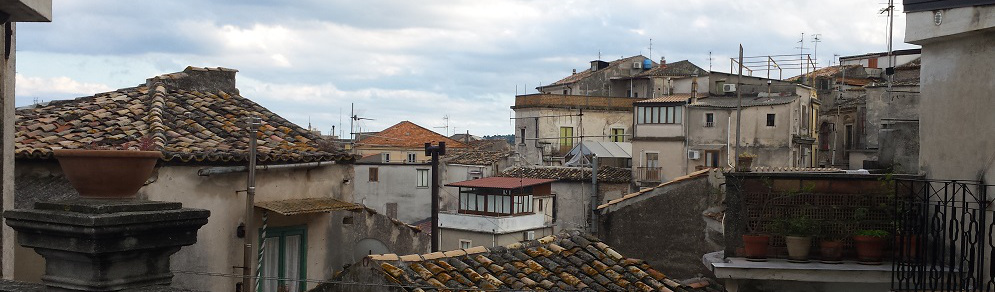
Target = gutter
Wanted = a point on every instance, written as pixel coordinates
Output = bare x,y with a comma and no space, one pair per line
234,169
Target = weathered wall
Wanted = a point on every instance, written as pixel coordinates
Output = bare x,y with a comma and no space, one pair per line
671,155
900,147
573,201
451,237
665,227
595,125
7,147
218,248
770,144
396,184
903,104
956,82
343,235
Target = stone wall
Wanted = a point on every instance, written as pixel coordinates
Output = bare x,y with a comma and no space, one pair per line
666,227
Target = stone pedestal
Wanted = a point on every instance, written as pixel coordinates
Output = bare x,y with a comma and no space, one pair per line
106,245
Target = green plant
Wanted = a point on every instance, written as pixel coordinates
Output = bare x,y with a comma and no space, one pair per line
795,226
872,233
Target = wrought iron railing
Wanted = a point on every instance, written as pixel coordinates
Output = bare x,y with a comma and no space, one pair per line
943,236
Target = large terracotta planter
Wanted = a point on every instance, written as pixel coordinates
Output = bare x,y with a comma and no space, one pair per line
107,173
755,247
798,248
832,251
870,249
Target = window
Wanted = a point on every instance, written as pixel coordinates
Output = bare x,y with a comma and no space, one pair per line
564,92
412,157
652,160
709,119
529,235
493,202
770,120
618,135
374,174
566,137
385,157
628,93
465,243
848,136
711,158
659,114
521,133
284,250
422,178
540,205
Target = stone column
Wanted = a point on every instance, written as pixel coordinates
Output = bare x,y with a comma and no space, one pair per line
106,245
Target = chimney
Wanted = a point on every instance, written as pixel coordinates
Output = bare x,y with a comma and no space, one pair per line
575,72
208,80
663,60
694,88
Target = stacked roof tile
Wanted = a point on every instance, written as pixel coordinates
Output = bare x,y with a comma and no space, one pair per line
605,174
186,121
406,135
476,157
570,261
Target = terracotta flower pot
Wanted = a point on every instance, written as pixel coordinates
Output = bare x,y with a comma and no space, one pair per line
869,249
755,246
798,247
744,164
832,251
107,173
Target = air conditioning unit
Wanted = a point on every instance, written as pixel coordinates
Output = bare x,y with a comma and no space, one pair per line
637,65
728,87
694,154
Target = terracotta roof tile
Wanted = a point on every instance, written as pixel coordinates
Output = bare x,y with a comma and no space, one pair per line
475,157
605,174
569,261
406,135
497,182
680,97
186,124
681,68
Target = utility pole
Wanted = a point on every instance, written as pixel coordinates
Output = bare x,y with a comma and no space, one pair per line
594,195
435,152
250,197
739,103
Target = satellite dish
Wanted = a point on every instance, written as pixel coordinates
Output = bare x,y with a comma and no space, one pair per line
368,246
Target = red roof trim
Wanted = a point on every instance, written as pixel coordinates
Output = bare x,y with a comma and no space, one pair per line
497,182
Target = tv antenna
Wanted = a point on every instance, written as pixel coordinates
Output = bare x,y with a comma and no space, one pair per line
353,118
445,125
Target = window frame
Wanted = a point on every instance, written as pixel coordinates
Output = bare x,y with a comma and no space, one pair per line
671,114
412,157
771,120
422,179
618,134
566,139
282,232
709,120
468,243
374,174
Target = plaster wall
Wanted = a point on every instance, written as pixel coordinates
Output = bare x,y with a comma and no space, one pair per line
902,104
957,59
7,71
671,158
218,249
596,125
573,199
772,145
450,238
396,184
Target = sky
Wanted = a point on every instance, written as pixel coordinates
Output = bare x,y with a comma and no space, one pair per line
309,61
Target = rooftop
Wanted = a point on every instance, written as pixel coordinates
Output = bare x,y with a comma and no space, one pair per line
683,68
731,101
677,97
192,116
497,182
605,173
564,262
540,100
584,74
406,135
476,157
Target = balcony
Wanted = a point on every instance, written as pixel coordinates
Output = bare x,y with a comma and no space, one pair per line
488,224
648,174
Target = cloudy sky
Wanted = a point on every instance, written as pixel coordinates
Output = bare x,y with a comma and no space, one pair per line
413,60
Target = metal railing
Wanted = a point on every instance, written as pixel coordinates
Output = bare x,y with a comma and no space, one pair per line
648,174
943,236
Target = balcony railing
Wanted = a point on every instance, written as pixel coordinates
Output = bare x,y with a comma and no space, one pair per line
944,236
648,174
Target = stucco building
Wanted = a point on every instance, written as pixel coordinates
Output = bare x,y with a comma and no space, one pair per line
198,120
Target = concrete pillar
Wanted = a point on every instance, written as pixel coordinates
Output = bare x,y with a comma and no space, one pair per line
7,144
106,245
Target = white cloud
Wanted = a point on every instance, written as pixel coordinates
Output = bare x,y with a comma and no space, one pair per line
27,88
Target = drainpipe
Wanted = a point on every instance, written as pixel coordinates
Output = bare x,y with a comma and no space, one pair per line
250,197
728,144
233,169
594,195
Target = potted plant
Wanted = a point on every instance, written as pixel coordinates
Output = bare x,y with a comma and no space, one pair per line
755,244
831,243
797,232
745,161
109,171
870,245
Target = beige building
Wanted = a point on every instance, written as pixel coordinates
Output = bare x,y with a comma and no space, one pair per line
547,126
198,120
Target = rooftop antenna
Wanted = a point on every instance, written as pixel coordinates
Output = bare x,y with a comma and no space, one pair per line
651,49
710,61
815,50
801,55
352,119
446,125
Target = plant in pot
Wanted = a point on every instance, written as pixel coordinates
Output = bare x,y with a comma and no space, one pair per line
797,231
870,245
109,171
745,161
831,243
755,244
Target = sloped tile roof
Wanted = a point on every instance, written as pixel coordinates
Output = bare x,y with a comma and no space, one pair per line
187,123
683,68
475,157
730,102
498,182
678,97
407,135
307,205
569,261
605,174
831,71
586,73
